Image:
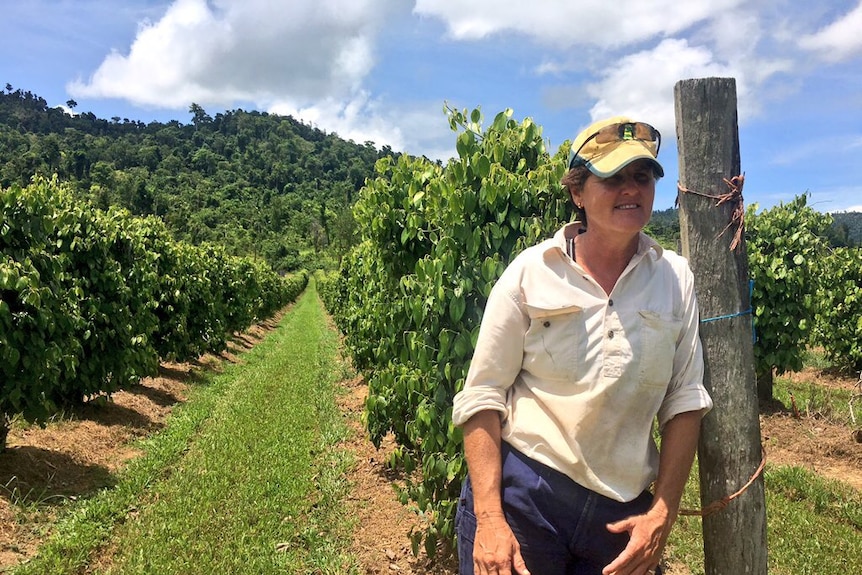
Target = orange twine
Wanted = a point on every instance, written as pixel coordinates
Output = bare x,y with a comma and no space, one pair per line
734,196
717,506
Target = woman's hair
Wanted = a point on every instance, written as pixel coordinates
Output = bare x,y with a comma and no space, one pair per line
574,181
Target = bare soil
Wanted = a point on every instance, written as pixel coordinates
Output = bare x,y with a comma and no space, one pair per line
381,539
82,451
804,436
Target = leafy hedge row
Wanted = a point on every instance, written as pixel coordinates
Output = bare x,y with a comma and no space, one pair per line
784,245
92,299
410,295
805,294
838,326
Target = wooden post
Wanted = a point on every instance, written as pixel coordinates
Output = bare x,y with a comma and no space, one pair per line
729,453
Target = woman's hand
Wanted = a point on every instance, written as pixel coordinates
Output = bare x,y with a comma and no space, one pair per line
495,550
648,535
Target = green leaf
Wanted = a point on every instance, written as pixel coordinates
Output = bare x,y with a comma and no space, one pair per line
501,119
465,144
431,544
484,166
457,305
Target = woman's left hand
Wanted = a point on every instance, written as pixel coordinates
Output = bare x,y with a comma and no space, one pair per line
648,535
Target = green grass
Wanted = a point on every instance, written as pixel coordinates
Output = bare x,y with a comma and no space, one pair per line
244,479
813,400
815,358
814,525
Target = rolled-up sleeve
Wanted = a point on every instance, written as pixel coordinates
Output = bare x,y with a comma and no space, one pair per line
497,358
686,391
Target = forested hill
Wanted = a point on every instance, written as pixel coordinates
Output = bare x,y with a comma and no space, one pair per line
257,183
846,229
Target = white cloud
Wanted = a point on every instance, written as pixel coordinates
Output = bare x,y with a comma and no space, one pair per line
305,58
695,39
417,128
839,40
549,68
224,51
358,119
641,85
735,37
616,24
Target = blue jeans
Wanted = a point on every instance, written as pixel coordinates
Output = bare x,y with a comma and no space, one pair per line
560,525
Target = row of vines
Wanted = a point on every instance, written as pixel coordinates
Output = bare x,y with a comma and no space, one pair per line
409,297
434,239
805,294
92,299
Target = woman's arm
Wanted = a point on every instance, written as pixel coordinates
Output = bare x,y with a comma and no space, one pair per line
495,549
649,532
678,446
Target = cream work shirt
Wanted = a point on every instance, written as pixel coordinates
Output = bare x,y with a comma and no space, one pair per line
579,376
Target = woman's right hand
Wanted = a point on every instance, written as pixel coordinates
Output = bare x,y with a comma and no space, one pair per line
495,549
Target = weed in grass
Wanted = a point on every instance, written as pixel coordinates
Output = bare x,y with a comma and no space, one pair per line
815,401
20,498
816,358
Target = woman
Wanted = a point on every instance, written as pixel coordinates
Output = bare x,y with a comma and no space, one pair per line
587,340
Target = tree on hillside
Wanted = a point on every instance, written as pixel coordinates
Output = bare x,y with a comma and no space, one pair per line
846,229
199,116
664,228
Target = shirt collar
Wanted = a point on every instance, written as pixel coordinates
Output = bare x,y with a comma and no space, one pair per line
645,243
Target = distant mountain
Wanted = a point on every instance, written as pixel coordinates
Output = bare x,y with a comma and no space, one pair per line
846,229
257,183
664,228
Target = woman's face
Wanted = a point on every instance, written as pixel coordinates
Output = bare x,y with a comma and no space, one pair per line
621,203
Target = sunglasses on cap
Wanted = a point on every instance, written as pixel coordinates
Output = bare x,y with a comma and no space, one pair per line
619,133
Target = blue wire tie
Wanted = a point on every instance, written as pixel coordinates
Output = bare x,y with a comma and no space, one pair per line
732,315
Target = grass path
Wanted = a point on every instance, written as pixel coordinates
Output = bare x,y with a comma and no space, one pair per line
244,479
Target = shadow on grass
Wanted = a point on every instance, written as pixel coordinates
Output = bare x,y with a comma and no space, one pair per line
773,407
34,475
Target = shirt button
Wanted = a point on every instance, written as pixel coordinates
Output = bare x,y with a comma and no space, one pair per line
611,334
610,302
547,324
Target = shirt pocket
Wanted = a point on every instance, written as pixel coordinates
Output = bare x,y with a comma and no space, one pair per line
553,340
659,334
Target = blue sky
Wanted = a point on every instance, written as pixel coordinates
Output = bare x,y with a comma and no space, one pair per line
381,70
